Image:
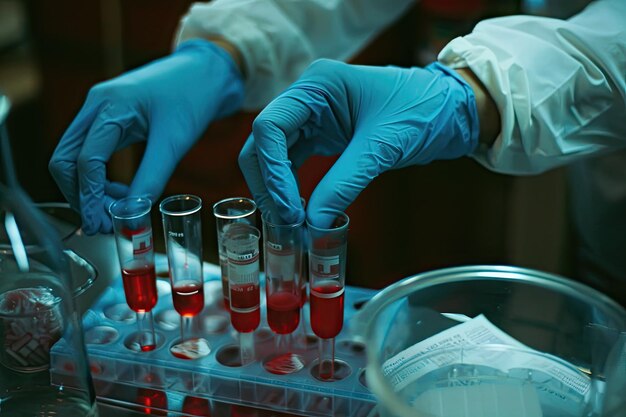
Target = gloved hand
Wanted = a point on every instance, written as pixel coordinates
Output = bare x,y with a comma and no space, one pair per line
377,118
168,102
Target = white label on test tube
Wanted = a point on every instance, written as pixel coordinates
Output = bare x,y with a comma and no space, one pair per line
243,268
142,242
324,266
280,262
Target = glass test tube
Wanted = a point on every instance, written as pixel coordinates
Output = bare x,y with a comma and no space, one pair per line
303,339
182,227
242,251
133,237
304,261
327,265
283,246
231,211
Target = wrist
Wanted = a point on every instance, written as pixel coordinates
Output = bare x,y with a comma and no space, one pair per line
232,50
488,114
214,47
218,69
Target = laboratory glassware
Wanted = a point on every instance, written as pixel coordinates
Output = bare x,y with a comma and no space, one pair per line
283,246
303,338
242,250
182,228
305,269
327,268
539,345
133,237
227,212
37,310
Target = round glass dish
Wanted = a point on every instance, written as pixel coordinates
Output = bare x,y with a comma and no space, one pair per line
558,331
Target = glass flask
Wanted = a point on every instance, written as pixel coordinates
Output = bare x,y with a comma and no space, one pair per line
37,311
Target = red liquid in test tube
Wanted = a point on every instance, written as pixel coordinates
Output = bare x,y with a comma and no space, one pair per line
188,297
327,309
245,312
140,288
326,272
283,312
242,244
133,237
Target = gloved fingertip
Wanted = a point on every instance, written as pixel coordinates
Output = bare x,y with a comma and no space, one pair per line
145,189
116,189
106,224
287,211
98,219
318,220
106,227
89,228
323,218
291,215
266,208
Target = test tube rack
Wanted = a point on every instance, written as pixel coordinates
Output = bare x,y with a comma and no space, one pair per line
124,376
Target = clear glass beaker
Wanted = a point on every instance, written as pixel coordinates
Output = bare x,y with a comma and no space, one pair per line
494,341
37,311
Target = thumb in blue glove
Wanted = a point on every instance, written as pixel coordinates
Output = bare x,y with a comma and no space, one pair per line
376,118
168,103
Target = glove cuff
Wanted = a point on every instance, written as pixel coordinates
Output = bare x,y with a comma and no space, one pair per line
471,121
222,66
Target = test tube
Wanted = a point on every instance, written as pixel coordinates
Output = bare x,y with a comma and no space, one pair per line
303,337
327,266
242,251
182,228
133,237
283,246
231,211
305,266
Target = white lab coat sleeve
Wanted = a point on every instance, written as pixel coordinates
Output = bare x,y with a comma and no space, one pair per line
278,39
560,85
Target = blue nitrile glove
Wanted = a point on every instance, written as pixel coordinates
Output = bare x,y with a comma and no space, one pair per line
168,102
377,118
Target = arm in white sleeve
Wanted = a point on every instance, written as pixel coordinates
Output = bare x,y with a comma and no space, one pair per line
559,85
278,39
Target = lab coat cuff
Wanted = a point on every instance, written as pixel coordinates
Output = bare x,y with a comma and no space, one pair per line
252,43
460,53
